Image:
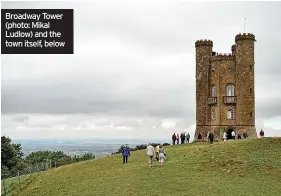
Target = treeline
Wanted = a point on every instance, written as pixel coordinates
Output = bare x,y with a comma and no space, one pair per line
12,160
138,147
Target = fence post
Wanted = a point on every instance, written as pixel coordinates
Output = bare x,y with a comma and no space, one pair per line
55,164
4,187
19,177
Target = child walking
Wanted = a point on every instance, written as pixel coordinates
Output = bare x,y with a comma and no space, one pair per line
162,156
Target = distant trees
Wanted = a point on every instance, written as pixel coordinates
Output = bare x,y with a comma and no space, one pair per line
12,160
84,157
56,158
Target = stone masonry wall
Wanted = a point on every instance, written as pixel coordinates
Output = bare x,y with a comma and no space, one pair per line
214,70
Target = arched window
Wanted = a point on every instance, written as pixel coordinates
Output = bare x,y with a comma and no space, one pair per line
229,90
230,114
213,114
213,91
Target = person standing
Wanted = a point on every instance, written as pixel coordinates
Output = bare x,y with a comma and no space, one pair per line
245,135
208,139
125,154
211,137
161,155
182,138
174,137
199,138
178,138
187,137
233,134
224,136
239,135
261,133
150,154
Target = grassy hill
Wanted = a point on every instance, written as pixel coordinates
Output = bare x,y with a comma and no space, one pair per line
245,167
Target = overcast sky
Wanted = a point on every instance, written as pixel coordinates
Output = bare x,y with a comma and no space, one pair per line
133,71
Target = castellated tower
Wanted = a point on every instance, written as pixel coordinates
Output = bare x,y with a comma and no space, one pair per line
225,94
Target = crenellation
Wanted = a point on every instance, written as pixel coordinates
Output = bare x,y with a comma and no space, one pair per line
204,42
223,57
245,36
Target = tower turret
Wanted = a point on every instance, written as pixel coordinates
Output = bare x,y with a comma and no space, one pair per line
203,64
245,89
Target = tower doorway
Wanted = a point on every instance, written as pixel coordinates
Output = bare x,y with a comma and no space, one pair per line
229,131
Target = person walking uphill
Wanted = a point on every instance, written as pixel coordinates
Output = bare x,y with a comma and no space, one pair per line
178,138
174,137
125,154
161,155
150,154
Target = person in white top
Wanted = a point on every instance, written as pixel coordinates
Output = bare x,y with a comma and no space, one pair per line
150,154
224,136
233,135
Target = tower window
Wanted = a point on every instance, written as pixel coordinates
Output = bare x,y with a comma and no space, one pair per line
213,91
230,114
229,69
213,114
251,91
230,90
251,114
251,67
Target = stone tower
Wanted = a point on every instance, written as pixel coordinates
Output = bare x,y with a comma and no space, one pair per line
225,93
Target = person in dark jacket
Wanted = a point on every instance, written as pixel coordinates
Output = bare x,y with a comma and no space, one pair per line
200,137
182,138
187,137
174,137
211,137
125,154
261,133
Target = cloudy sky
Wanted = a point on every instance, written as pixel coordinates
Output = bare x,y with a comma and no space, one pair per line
133,71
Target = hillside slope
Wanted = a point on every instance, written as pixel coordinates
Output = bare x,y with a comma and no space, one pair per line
245,167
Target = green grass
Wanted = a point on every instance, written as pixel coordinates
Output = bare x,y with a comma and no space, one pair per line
245,167
15,184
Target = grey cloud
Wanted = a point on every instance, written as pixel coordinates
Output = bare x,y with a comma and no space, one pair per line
138,59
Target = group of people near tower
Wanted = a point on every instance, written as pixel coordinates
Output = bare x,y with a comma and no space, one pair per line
226,136
159,154
184,138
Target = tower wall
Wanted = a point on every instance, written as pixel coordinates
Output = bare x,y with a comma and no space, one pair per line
214,69
245,89
215,80
203,59
223,62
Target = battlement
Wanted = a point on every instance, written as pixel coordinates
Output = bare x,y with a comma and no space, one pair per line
204,42
245,36
223,57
